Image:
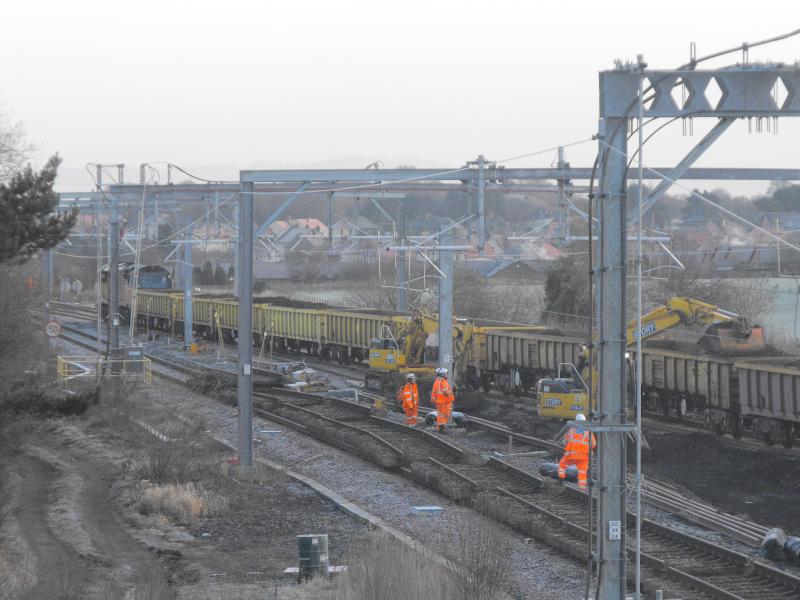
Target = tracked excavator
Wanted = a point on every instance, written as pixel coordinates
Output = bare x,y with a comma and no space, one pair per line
726,333
415,350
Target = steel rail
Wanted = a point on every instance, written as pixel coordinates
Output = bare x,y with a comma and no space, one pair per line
705,556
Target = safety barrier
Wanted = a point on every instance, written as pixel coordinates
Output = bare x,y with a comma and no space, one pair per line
74,367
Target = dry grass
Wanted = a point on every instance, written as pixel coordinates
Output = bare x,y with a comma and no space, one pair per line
170,450
316,589
483,553
390,570
182,503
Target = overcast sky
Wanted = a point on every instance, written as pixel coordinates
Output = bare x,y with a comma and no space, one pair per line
221,86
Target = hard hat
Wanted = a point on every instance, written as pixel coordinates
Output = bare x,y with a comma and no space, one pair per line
443,372
579,417
411,377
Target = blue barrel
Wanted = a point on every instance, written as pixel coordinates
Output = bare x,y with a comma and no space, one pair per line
312,550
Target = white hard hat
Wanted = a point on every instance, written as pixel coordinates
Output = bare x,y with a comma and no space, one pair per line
411,377
579,417
443,372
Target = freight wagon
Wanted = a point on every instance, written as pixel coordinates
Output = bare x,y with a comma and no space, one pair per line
768,403
514,361
681,382
733,395
328,333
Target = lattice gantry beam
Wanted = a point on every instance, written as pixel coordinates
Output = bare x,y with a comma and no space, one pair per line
742,91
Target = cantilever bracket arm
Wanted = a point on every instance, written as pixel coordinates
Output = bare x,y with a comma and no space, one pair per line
279,211
680,169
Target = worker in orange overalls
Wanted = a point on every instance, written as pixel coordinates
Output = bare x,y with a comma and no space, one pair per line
577,452
442,398
409,397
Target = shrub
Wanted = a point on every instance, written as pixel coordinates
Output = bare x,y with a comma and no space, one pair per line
182,503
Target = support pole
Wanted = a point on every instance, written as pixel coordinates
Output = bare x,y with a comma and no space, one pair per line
330,218
187,287
611,507
481,203
98,297
113,277
563,209
236,248
400,278
47,284
638,385
446,306
400,268
244,273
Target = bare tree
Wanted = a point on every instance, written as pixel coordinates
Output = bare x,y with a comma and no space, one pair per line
751,300
14,150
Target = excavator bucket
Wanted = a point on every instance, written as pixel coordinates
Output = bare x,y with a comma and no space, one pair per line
731,337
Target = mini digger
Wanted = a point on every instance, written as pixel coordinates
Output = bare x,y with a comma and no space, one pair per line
415,350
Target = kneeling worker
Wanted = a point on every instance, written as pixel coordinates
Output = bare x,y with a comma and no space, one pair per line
442,398
409,396
577,452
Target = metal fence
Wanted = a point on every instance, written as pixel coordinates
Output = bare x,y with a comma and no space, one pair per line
71,368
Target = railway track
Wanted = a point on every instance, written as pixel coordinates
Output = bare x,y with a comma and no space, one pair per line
685,565
67,309
527,403
655,493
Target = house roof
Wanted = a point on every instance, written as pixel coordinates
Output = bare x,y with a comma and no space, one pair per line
311,223
276,228
787,220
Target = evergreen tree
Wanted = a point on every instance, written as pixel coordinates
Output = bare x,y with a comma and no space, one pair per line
566,289
208,274
220,278
28,222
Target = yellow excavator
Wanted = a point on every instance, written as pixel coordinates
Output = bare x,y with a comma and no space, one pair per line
415,350
726,332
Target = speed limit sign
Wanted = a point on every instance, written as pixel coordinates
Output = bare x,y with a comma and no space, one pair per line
53,329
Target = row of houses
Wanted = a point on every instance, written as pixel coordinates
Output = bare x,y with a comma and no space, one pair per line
732,246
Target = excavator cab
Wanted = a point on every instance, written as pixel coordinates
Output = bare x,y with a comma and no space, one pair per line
385,355
565,396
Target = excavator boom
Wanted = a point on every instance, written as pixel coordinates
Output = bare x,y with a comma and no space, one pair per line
726,332
564,397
